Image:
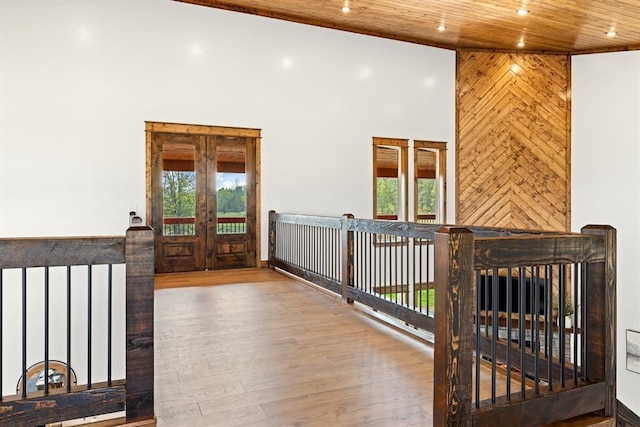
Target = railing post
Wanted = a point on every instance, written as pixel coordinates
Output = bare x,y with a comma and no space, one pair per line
272,237
600,316
347,258
139,319
453,350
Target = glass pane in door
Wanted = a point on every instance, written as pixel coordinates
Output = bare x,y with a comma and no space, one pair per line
231,189
178,190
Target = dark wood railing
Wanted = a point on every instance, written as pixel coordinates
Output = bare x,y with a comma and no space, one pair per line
60,262
498,298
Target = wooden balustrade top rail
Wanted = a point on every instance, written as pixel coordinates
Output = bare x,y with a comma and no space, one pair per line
60,251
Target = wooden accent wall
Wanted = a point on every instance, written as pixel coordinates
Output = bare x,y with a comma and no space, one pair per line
513,148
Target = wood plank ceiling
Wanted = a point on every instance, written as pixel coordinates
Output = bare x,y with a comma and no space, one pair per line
562,26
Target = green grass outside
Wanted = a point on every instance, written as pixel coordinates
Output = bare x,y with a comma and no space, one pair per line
423,298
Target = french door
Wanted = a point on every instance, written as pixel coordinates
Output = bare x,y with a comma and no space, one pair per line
203,191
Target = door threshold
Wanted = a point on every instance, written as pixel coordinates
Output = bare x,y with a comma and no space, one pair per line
213,277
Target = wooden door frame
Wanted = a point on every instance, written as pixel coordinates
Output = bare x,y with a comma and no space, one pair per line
182,128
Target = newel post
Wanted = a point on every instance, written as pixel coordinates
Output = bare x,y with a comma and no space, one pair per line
347,258
272,237
453,350
599,313
139,319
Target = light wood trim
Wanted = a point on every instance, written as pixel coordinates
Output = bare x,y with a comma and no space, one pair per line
201,129
403,174
395,142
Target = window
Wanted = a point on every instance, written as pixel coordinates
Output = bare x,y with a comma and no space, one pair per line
429,185
390,178
391,174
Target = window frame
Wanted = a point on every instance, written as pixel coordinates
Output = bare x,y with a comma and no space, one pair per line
440,148
402,146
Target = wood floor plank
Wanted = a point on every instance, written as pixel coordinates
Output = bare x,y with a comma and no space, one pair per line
233,351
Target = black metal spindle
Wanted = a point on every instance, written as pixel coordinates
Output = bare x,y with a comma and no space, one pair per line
24,333
424,272
370,260
485,287
89,323
46,330
536,328
548,322
477,361
1,329
68,328
494,331
576,289
400,265
383,264
562,303
109,322
509,296
522,338
396,266
585,323
375,264
416,289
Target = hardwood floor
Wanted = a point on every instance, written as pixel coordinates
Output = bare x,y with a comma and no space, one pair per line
256,348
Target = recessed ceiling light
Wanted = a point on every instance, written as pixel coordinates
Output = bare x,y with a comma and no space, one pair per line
522,12
611,33
520,44
441,27
346,8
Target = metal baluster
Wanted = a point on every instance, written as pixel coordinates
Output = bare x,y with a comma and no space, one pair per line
562,289
585,324
478,284
109,322
509,317
536,319
24,333
522,338
46,331
68,328
1,329
89,323
548,321
576,289
494,330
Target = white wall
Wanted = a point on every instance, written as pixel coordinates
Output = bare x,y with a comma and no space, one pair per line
606,178
79,78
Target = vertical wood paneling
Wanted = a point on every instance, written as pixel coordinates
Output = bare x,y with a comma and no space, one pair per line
513,140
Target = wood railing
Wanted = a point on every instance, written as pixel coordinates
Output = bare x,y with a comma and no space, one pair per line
35,275
535,309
